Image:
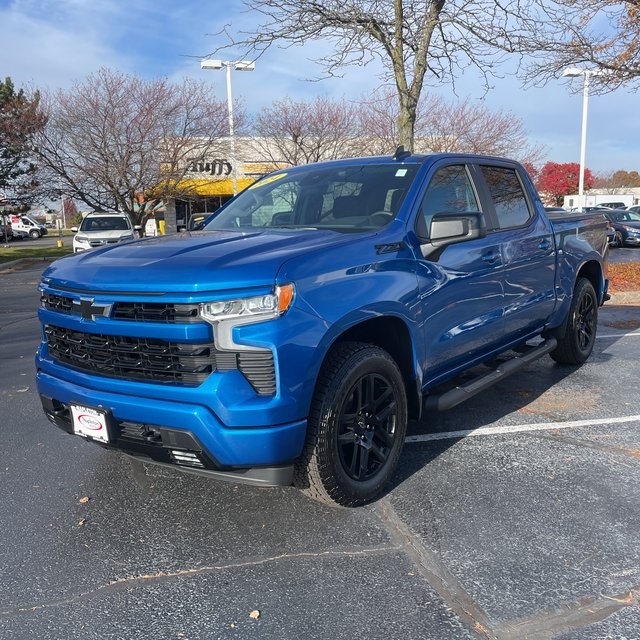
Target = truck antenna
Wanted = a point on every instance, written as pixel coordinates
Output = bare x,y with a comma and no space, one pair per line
400,153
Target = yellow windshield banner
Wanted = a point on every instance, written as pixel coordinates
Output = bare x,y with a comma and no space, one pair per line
268,180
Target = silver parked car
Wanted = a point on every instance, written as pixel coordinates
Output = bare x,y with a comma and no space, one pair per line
101,228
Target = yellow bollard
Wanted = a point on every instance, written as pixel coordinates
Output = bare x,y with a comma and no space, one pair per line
60,244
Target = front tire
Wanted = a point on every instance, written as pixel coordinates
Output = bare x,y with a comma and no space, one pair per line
356,426
34,234
580,336
619,240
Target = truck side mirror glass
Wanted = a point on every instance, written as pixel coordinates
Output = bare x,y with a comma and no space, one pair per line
451,228
446,228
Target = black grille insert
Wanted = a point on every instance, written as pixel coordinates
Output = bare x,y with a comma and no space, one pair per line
157,312
132,358
167,312
54,302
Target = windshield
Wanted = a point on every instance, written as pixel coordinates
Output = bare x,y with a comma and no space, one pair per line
351,198
105,223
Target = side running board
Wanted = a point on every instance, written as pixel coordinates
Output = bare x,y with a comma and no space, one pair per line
453,397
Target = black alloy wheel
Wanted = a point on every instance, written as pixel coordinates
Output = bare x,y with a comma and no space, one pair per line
586,318
367,427
356,426
582,323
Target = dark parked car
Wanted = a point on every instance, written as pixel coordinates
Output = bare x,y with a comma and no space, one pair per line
626,225
613,205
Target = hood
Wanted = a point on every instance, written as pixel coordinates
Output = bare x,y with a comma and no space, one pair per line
189,262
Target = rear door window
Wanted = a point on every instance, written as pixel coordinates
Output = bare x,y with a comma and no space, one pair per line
509,200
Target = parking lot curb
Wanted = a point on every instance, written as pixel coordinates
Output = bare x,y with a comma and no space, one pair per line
625,297
6,267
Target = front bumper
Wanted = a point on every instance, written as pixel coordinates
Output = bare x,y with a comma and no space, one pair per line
188,437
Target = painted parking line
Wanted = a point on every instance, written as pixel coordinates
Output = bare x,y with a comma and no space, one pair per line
615,336
518,428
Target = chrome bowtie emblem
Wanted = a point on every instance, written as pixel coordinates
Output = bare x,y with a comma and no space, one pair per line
89,311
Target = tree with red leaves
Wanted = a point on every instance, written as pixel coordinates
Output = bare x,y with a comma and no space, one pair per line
558,180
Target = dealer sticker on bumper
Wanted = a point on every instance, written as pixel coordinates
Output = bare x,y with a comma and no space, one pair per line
89,423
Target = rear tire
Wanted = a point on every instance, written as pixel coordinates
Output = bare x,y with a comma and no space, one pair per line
356,426
580,336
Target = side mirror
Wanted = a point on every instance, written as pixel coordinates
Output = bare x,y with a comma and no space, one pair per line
74,229
137,227
452,228
446,229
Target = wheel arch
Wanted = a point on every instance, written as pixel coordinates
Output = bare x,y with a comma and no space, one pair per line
391,334
592,271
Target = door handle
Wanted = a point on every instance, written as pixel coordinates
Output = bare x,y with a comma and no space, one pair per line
491,257
544,244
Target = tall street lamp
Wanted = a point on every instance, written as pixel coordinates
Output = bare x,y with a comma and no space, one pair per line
574,72
238,65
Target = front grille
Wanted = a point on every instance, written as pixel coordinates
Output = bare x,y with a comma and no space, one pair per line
54,302
132,358
157,312
167,312
156,361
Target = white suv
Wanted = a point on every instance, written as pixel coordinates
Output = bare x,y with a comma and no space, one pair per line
101,228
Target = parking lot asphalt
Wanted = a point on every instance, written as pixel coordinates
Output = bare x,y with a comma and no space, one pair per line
513,516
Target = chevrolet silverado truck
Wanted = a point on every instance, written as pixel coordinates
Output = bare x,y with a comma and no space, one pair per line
292,338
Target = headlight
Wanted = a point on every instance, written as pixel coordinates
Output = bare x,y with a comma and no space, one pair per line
633,230
257,308
129,236
82,239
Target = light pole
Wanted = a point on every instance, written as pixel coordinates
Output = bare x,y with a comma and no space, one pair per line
62,216
238,65
574,72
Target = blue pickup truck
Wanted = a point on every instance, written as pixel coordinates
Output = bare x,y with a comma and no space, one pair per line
290,340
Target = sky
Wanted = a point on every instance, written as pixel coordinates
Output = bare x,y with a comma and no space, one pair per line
53,43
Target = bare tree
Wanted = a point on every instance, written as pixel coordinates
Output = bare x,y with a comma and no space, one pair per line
601,34
417,41
469,127
441,125
378,122
117,141
299,132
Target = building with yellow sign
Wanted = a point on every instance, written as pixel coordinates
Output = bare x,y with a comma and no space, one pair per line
209,182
